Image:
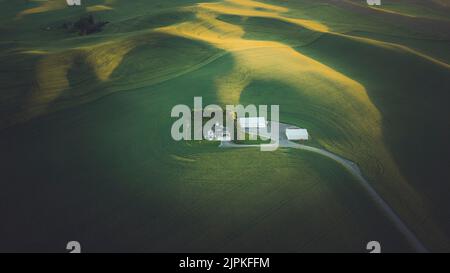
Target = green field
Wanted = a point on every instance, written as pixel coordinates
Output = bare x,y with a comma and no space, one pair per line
85,123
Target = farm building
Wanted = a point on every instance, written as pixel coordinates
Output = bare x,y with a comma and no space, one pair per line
297,134
252,122
219,132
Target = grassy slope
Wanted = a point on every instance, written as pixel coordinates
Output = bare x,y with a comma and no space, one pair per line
152,171
335,108
416,127
412,102
107,174
431,47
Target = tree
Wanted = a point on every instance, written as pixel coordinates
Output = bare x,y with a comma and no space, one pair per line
85,25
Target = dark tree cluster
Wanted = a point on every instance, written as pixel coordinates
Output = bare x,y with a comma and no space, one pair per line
85,25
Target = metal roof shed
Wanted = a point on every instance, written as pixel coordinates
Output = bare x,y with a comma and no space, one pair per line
297,134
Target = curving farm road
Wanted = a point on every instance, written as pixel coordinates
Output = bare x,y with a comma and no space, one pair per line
356,172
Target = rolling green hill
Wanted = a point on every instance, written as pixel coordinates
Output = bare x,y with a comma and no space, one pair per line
85,125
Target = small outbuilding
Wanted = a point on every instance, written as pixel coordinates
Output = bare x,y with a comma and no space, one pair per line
252,122
297,134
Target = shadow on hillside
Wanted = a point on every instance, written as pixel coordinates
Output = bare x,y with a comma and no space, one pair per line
412,95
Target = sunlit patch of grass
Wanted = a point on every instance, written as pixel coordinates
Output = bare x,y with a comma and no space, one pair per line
35,51
51,81
249,8
96,8
106,57
255,5
44,6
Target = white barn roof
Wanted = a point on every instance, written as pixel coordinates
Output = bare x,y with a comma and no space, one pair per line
252,122
297,134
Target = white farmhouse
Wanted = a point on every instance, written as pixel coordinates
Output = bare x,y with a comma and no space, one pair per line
219,133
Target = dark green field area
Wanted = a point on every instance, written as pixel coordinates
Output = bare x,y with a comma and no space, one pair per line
123,184
87,155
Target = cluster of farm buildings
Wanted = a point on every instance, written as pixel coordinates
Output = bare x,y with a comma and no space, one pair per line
253,124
